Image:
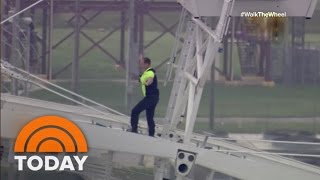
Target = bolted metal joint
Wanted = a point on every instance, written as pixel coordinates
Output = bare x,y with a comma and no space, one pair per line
172,136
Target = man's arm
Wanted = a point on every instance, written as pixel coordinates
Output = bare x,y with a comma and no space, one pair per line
149,78
149,81
141,58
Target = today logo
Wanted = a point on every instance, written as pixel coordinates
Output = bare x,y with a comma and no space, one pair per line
50,134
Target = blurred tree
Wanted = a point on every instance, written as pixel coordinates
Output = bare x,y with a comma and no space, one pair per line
270,29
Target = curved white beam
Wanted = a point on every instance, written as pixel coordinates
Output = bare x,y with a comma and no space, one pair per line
17,111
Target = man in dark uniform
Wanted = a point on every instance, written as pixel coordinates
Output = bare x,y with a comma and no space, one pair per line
149,84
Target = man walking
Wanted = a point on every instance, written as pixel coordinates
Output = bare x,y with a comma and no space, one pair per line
149,84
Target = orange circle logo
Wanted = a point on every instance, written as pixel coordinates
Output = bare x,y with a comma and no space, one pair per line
50,134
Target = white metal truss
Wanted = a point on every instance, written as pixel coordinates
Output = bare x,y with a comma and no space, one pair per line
192,72
173,57
180,81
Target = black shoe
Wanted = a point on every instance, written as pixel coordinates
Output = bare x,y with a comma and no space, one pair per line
131,130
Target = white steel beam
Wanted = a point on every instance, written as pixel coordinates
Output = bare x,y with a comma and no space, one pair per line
180,107
199,41
191,78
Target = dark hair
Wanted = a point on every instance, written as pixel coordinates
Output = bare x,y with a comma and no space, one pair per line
147,60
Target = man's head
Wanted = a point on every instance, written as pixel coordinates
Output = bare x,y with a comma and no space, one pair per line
145,63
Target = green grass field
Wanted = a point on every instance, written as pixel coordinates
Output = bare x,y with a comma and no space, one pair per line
257,127
231,101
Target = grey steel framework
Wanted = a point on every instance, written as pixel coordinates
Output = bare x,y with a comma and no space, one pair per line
141,8
132,17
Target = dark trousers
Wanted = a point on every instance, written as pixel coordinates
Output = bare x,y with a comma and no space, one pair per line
149,104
